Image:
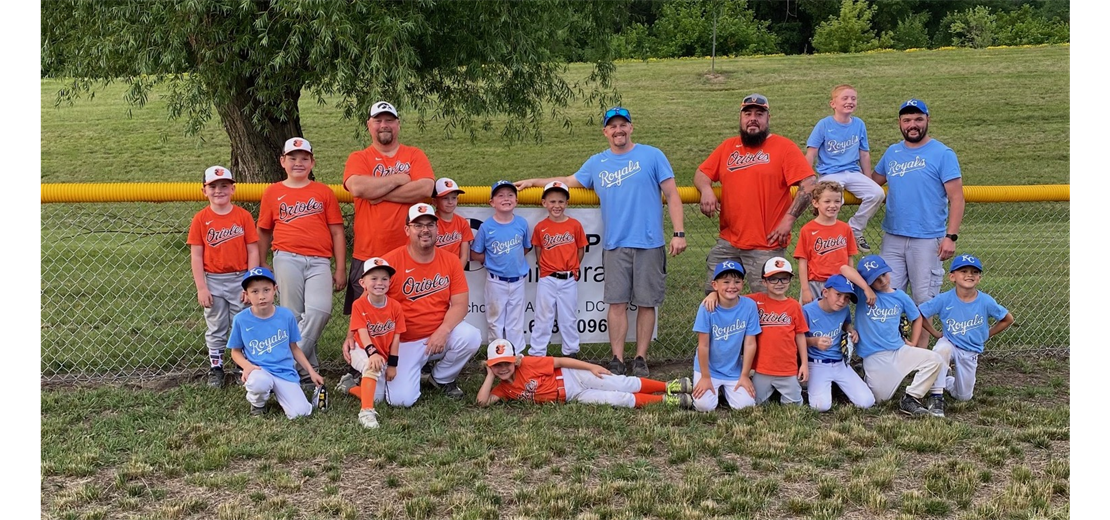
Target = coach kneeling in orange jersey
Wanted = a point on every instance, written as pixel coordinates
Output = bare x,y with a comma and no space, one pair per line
434,295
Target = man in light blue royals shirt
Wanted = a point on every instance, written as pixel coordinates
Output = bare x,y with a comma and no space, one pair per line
628,178
924,206
500,245
964,312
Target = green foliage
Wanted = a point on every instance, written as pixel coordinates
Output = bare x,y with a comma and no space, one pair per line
686,28
850,31
910,33
465,62
973,27
1025,27
634,42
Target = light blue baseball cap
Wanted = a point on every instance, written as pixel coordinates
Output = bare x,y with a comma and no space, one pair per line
965,261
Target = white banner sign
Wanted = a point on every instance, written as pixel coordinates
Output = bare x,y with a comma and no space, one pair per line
593,324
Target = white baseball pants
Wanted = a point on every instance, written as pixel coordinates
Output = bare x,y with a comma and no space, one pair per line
359,361
869,193
737,399
584,387
462,344
884,372
289,394
555,296
823,375
961,384
505,311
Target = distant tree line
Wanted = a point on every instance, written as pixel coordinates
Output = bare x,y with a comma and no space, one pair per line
677,28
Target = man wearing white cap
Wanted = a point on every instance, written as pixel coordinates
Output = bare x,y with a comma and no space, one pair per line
434,296
384,180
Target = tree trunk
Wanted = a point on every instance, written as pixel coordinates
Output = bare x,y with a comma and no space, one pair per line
256,149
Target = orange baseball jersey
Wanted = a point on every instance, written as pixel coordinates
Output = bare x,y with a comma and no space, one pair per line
453,233
825,248
224,237
381,323
776,351
299,218
380,228
424,290
534,380
560,242
755,187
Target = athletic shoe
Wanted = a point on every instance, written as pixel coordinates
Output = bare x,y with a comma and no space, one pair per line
912,406
639,367
451,389
680,386
861,243
616,366
216,377
684,401
368,418
346,383
426,369
257,411
935,405
572,355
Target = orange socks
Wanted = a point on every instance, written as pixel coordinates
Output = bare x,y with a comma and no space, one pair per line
644,399
651,386
365,392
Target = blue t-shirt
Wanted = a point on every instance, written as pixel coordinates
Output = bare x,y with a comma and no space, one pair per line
916,203
838,144
878,325
964,323
631,202
824,324
504,246
265,341
727,329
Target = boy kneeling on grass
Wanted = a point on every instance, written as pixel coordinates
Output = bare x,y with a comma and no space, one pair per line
543,379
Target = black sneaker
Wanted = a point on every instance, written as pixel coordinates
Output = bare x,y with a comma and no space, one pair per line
912,406
572,355
216,377
861,243
616,366
935,405
257,411
639,367
426,369
451,389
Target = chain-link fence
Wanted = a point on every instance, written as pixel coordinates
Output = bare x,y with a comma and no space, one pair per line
118,299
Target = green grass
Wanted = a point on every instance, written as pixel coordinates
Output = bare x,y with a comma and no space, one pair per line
193,452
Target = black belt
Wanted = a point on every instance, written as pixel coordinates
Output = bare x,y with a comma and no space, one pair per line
562,276
826,361
504,279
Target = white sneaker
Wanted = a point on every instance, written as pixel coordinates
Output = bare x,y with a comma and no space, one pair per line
368,418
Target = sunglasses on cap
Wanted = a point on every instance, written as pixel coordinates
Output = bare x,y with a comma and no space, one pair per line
616,111
755,99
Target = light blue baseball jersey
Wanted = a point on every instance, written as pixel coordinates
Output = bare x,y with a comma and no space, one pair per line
265,341
916,203
727,329
965,323
838,144
878,324
628,186
823,324
504,246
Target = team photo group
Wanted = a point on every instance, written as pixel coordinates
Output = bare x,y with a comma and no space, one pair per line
266,285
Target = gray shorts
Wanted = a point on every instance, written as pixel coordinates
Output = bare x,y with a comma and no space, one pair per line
914,265
636,276
752,260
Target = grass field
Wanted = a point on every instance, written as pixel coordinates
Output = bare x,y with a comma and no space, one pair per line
172,449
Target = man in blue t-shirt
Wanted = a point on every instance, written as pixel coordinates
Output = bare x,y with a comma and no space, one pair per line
628,178
924,206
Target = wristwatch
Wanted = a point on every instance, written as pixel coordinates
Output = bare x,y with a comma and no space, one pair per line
680,234
953,237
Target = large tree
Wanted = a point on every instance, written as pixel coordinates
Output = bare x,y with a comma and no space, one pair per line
461,63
